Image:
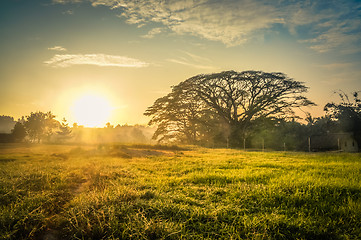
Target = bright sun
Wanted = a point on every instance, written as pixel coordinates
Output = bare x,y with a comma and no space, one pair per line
91,110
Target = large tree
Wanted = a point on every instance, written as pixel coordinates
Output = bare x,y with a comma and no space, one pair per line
179,116
236,100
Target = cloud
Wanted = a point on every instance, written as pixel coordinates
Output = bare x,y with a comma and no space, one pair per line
66,1
69,12
196,57
230,22
337,66
327,25
321,25
152,33
345,73
57,48
189,64
346,79
102,60
192,60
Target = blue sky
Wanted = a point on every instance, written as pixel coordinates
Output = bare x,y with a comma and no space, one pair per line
54,51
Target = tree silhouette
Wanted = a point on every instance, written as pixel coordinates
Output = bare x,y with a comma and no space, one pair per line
64,131
6,124
40,125
347,113
18,132
180,115
238,99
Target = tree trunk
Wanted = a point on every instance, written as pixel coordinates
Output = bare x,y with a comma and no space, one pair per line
236,136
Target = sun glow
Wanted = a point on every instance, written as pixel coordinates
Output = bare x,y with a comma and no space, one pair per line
91,110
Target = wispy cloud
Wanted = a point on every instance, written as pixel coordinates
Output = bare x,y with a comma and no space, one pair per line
69,12
321,25
102,60
192,60
345,73
327,25
337,66
196,57
190,64
152,33
66,1
230,22
343,78
57,48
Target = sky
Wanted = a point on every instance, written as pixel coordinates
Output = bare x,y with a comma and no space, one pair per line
125,54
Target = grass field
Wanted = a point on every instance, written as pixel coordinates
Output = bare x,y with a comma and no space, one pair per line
145,192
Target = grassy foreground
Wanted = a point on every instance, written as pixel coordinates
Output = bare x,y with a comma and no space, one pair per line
117,192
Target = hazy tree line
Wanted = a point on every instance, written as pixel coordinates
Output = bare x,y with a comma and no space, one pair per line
42,127
250,109
36,127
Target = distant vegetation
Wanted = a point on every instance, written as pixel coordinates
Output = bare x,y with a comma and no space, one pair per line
246,110
146,192
225,107
40,127
6,124
110,183
250,109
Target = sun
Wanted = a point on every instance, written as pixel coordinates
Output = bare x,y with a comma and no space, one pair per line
91,110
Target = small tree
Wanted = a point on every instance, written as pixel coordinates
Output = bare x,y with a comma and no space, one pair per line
6,124
64,132
40,125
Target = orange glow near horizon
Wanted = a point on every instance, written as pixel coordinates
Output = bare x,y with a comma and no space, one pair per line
91,110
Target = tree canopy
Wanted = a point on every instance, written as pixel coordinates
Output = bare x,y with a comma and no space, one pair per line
18,132
347,113
64,132
225,104
6,124
40,125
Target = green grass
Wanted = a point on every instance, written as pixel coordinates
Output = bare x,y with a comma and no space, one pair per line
142,192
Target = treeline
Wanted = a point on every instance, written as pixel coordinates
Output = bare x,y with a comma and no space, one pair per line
250,109
42,127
